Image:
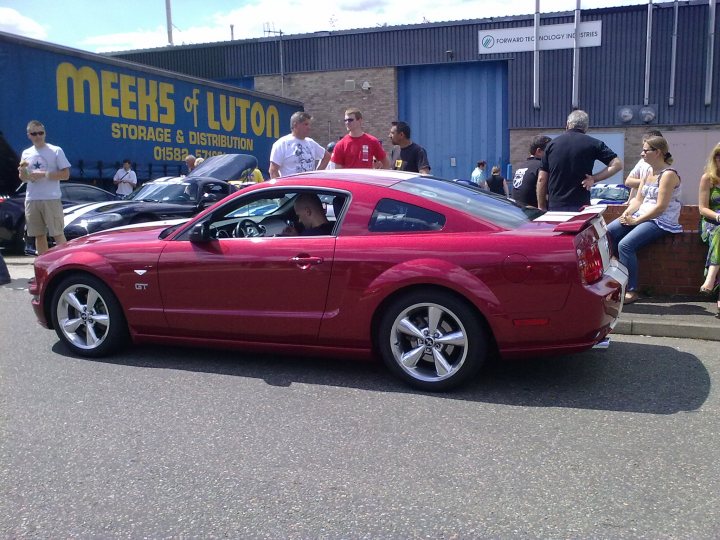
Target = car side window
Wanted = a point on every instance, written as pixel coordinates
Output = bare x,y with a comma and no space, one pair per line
396,216
216,189
82,194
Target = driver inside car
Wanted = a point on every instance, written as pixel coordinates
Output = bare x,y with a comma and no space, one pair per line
311,215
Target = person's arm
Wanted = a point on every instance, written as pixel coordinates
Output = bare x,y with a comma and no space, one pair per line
423,164
541,189
704,199
385,162
61,175
633,179
133,179
116,178
324,161
274,170
614,166
668,182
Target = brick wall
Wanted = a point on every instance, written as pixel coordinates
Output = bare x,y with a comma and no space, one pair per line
675,264
325,96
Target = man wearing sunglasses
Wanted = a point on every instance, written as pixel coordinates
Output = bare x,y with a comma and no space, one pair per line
357,149
43,166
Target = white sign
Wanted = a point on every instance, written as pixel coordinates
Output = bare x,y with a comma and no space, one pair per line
551,36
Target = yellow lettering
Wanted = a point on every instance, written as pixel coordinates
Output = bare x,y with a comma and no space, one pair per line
272,119
110,93
65,73
212,123
166,101
257,119
128,97
147,100
243,105
227,112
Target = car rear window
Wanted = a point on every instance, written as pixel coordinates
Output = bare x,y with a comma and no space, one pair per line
471,200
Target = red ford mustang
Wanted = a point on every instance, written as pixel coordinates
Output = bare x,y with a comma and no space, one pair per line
432,275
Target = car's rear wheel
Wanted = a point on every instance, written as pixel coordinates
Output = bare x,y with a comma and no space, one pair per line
432,340
87,316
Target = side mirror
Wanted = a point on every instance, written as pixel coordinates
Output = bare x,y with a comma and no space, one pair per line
200,233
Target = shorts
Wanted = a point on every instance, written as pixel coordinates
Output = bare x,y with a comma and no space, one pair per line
44,217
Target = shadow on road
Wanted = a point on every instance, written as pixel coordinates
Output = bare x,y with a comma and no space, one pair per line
628,377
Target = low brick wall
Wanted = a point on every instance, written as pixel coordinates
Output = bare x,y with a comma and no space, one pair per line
675,264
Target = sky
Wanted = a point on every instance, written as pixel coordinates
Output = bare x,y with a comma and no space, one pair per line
118,25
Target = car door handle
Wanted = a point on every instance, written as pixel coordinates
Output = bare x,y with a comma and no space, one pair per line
305,261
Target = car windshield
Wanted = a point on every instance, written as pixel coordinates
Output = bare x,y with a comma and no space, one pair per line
260,207
483,204
613,193
174,192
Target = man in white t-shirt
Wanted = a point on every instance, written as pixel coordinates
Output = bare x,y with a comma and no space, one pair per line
641,170
43,166
125,179
296,152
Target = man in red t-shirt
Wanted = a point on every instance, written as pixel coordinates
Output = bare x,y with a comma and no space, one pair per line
357,149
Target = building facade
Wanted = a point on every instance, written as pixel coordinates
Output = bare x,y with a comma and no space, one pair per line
481,89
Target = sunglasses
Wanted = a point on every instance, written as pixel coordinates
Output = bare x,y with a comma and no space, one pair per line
348,120
36,133
646,150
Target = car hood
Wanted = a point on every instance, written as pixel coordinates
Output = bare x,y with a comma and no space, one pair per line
74,213
140,232
226,167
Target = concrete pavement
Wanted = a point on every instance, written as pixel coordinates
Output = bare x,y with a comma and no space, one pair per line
675,316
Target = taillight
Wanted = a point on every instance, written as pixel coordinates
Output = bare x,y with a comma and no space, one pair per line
589,256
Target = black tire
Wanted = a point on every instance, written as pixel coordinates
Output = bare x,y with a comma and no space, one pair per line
432,340
87,316
17,242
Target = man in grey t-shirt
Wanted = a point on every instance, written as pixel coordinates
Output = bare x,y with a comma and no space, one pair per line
43,166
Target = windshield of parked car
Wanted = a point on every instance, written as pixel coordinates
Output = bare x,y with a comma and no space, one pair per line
478,202
175,192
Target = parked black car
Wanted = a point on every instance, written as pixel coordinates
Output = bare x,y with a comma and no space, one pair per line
12,211
164,198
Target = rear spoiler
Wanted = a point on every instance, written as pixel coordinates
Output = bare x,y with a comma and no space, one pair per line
572,222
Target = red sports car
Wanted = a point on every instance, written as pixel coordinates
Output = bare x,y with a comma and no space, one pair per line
432,275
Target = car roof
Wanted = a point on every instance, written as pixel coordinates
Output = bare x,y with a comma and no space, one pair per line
375,177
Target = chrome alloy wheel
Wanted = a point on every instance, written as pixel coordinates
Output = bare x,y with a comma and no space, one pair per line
82,315
429,342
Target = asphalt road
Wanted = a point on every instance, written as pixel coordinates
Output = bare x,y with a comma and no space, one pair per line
165,442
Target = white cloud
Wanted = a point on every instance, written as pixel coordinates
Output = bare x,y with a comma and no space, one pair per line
14,22
252,20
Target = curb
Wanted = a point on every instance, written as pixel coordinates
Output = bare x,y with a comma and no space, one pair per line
675,329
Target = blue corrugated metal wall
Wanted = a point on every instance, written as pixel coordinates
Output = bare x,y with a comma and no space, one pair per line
457,111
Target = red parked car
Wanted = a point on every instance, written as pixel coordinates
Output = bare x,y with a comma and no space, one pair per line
432,275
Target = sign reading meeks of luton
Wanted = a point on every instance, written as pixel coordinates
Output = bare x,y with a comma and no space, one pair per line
551,36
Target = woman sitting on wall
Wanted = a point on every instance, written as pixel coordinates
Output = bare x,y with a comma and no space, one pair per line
651,214
709,205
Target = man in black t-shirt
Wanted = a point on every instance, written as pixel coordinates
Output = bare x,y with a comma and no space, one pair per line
406,155
565,174
525,179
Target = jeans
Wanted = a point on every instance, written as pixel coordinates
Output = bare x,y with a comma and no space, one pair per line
627,239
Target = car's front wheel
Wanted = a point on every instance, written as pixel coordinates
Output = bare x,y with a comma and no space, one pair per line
87,316
432,340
